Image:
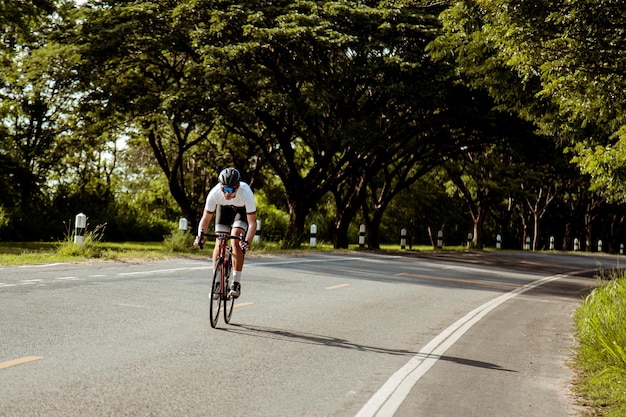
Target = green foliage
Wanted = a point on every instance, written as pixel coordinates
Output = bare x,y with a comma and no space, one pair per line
606,166
4,217
126,110
88,248
558,63
178,241
274,221
601,355
424,209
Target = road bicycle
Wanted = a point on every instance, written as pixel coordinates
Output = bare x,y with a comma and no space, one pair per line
220,287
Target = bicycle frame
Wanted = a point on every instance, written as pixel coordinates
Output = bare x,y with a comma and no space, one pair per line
222,241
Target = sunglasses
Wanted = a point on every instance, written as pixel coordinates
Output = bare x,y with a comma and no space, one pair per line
229,190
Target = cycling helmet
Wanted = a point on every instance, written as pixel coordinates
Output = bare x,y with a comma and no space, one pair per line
229,177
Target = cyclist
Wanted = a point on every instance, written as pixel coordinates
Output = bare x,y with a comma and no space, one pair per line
232,202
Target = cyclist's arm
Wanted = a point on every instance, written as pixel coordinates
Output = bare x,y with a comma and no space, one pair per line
203,226
251,226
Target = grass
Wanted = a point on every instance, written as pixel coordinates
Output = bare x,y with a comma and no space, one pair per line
51,252
600,358
177,243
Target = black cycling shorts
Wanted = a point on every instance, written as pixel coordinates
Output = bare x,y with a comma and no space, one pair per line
230,217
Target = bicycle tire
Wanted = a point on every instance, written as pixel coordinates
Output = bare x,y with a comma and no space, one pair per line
229,301
215,302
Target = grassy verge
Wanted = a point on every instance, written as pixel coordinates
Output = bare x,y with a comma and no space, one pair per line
600,358
36,253
52,252
176,244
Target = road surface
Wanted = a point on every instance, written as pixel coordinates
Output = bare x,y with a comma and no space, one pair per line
321,334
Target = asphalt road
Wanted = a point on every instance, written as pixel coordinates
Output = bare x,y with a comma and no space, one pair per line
350,334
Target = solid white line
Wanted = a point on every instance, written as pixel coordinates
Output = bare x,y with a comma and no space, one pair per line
390,396
4,365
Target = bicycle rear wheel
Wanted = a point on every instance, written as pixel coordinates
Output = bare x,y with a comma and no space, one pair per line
229,301
216,295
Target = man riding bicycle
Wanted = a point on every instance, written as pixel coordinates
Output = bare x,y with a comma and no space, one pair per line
232,202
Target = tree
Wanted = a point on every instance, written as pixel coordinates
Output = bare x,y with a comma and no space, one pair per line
557,63
19,18
31,114
326,90
141,76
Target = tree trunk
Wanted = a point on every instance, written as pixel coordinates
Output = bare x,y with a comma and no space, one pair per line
346,211
372,226
479,226
344,217
296,230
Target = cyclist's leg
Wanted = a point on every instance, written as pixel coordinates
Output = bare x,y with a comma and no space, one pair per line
223,219
239,227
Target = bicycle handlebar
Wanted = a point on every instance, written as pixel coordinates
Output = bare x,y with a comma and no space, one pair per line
223,236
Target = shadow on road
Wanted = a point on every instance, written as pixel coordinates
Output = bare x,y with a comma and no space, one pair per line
334,342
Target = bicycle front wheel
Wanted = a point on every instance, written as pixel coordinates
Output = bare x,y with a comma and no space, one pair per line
216,295
229,301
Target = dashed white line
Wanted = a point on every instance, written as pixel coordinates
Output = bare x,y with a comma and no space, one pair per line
30,281
73,278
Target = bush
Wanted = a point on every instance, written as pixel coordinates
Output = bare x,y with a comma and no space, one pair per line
89,248
178,241
601,355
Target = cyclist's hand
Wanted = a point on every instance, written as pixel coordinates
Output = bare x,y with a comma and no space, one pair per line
244,245
199,242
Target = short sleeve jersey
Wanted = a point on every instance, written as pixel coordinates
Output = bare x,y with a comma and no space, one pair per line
243,198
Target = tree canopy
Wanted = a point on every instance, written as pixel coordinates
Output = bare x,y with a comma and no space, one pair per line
559,64
331,109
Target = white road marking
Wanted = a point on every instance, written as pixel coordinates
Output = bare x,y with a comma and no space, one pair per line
302,261
160,271
30,281
40,266
4,365
390,396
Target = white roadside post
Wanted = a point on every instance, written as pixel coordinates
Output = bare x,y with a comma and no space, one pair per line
362,236
80,225
257,235
313,239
